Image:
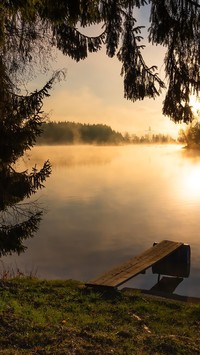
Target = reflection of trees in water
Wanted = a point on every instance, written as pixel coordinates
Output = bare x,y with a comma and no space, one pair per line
18,220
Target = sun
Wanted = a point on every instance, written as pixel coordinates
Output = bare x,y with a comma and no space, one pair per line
195,103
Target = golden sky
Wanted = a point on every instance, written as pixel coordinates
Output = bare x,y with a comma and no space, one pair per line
93,93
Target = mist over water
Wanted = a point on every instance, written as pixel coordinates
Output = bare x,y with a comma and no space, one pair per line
106,204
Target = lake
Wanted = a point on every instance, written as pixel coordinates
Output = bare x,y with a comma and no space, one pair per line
105,204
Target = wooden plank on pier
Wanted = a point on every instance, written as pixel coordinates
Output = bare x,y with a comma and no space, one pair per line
136,265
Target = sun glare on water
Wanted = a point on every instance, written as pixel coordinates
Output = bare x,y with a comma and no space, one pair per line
191,184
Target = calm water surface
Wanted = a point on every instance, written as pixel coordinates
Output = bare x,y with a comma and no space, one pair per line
107,204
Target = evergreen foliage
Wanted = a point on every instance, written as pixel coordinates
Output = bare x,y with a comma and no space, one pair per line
176,25
77,133
21,118
20,123
12,236
30,28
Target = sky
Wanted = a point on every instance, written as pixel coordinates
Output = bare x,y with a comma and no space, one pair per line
93,93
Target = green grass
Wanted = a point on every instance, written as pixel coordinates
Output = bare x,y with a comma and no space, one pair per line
63,317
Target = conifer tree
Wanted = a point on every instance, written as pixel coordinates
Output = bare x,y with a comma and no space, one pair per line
20,121
30,28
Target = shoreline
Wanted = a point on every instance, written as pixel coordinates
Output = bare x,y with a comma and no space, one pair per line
65,317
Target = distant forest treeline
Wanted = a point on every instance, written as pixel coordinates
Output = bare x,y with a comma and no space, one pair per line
72,133
77,133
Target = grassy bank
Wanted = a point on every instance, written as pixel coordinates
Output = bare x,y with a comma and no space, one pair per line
62,317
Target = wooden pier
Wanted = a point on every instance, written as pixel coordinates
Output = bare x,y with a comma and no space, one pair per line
136,265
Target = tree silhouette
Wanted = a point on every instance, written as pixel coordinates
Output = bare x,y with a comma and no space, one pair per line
191,135
72,133
20,121
30,28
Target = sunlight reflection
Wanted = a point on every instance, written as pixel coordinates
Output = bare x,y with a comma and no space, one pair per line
106,204
191,183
